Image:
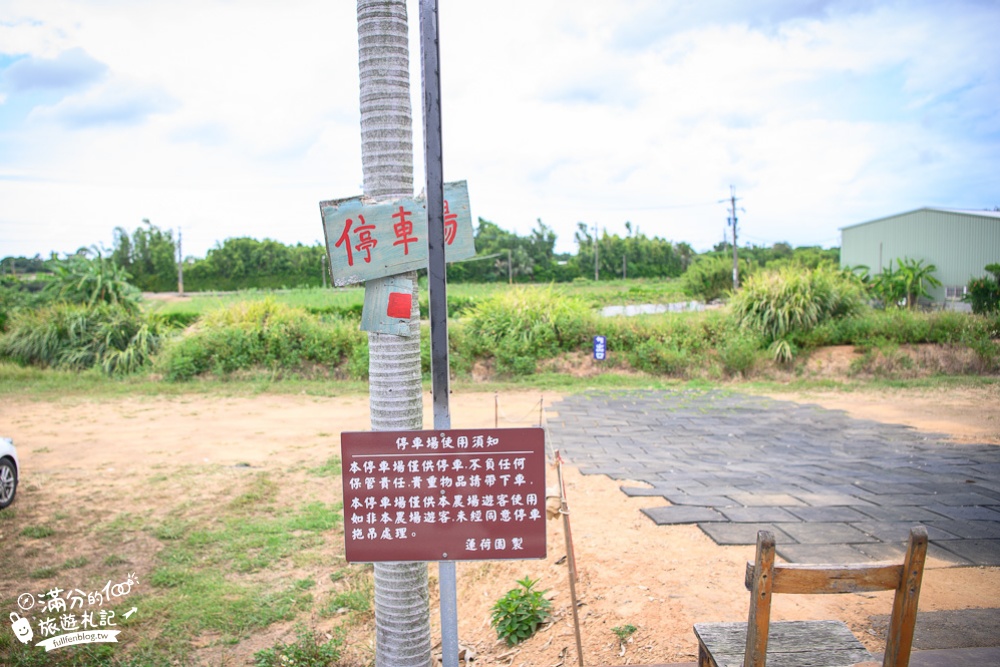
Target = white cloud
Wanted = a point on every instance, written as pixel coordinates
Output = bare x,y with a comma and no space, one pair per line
237,118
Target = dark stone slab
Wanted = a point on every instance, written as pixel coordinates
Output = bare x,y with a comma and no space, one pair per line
900,513
899,531
978,552
820,499
700,500
758,514
820,553
675,514
825,533
641,492
970,529
741,533
966,513
961,628
828,514
750,499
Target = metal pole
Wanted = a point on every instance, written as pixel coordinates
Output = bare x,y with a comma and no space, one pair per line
180,264
510,269
437,284
596,271
736,264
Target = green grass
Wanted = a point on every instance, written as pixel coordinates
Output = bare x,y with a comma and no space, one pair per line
37,532
330,468
461,297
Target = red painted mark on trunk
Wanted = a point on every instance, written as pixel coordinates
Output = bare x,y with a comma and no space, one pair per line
399,305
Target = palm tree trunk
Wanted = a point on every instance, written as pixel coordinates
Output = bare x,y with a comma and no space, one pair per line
402,614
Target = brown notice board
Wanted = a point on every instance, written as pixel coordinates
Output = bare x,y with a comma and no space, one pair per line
472,494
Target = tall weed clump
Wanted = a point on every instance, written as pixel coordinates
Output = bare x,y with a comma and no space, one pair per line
684,344
115,339
520,326
253,335
711,278
789,303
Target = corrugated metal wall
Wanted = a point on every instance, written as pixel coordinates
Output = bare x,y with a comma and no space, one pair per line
958,244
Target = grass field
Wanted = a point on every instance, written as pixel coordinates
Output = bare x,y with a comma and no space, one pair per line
460,296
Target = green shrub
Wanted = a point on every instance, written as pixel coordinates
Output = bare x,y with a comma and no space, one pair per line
790,301
93,281
517,615
711,278
78,337
739,353
261,334
522,325
984,293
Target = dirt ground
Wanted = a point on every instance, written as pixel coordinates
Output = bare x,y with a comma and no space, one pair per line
659,579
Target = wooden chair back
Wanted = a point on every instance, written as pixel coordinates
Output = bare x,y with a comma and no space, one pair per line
764,578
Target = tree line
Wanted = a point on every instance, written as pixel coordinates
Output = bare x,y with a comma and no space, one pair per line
148,254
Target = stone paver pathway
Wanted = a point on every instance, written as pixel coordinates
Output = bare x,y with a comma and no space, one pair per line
830,487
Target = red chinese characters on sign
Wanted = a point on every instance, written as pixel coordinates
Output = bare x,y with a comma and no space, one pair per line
365,240
444,495
403,229
450,224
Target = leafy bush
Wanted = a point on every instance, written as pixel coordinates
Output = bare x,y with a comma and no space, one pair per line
16,293
77,337
739,353
905,284
520,326
517,615
788,303
710,278
258,334
93,281
984,293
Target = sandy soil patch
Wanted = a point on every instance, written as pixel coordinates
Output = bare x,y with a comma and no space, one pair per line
81,459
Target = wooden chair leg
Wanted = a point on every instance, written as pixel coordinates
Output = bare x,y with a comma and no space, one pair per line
704,659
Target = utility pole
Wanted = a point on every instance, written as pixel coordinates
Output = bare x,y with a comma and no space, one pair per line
597,273
510,269
732,221
180,263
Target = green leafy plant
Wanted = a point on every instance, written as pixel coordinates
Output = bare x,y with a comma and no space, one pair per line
517,615
623,632
791,302
308,650
264,334
92,281
79,337
984,293
519,326
711,278
905,284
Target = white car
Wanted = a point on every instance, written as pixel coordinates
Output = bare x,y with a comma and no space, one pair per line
8,472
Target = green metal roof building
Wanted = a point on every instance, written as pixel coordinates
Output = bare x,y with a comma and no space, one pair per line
959,243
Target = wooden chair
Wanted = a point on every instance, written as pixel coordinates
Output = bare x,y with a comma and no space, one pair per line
814,643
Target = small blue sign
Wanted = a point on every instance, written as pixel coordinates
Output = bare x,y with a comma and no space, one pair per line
600,347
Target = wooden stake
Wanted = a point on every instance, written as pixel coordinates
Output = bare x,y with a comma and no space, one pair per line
570,559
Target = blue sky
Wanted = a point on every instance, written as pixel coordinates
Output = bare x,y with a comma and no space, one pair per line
233,118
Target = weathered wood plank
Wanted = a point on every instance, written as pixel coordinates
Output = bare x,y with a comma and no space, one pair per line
790,644
904,607
760,601
821,579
